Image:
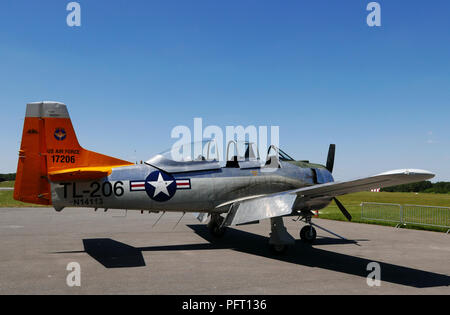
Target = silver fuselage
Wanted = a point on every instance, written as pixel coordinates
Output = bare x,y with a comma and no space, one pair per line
207,190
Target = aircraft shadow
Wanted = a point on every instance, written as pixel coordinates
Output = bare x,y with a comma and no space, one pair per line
114,254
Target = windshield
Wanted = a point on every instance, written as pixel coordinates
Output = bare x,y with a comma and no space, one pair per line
274,151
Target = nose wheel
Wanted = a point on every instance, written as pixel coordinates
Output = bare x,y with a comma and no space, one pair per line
308,234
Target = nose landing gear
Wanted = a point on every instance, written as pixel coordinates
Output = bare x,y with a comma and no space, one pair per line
308,234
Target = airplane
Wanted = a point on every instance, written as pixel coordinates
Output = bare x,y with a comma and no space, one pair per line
53,169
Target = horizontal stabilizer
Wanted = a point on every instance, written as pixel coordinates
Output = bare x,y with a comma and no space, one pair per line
80,173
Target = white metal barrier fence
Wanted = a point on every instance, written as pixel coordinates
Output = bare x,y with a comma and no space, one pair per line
406,214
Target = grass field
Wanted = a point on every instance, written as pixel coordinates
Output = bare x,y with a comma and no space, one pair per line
7,184
7,201
352,203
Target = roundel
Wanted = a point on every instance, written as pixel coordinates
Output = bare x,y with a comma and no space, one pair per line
160,186
60,134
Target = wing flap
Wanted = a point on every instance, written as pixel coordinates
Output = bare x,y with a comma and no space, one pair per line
260,208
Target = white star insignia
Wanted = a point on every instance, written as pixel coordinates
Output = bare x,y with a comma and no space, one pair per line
161,185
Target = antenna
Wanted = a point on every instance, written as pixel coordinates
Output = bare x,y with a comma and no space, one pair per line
179,220
158,219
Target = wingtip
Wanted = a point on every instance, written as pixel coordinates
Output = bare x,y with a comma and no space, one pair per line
410,171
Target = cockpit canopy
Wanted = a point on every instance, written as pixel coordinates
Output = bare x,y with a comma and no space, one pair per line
207,155
195,156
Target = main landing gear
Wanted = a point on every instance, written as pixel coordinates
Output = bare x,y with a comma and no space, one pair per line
215,226
280,240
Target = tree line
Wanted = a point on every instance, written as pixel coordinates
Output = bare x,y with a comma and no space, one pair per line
424,187
7,177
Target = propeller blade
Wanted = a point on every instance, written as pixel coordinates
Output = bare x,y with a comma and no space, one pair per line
330,158
343,210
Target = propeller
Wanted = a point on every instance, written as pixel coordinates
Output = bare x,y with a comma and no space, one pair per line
343,210
330,158
329,166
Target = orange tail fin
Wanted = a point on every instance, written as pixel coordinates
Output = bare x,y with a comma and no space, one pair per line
49,145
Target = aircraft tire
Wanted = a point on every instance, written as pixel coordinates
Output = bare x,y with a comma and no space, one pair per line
215,228
278,249
308,234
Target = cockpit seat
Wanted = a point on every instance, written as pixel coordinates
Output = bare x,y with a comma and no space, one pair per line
233,163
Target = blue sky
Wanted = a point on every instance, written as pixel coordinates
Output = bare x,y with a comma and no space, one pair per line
136,69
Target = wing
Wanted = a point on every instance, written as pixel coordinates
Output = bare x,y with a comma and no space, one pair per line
279,204
391,178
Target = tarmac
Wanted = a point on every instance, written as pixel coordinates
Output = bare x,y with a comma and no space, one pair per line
120,254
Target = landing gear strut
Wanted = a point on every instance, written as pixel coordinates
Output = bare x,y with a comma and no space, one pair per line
280,239
215,226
